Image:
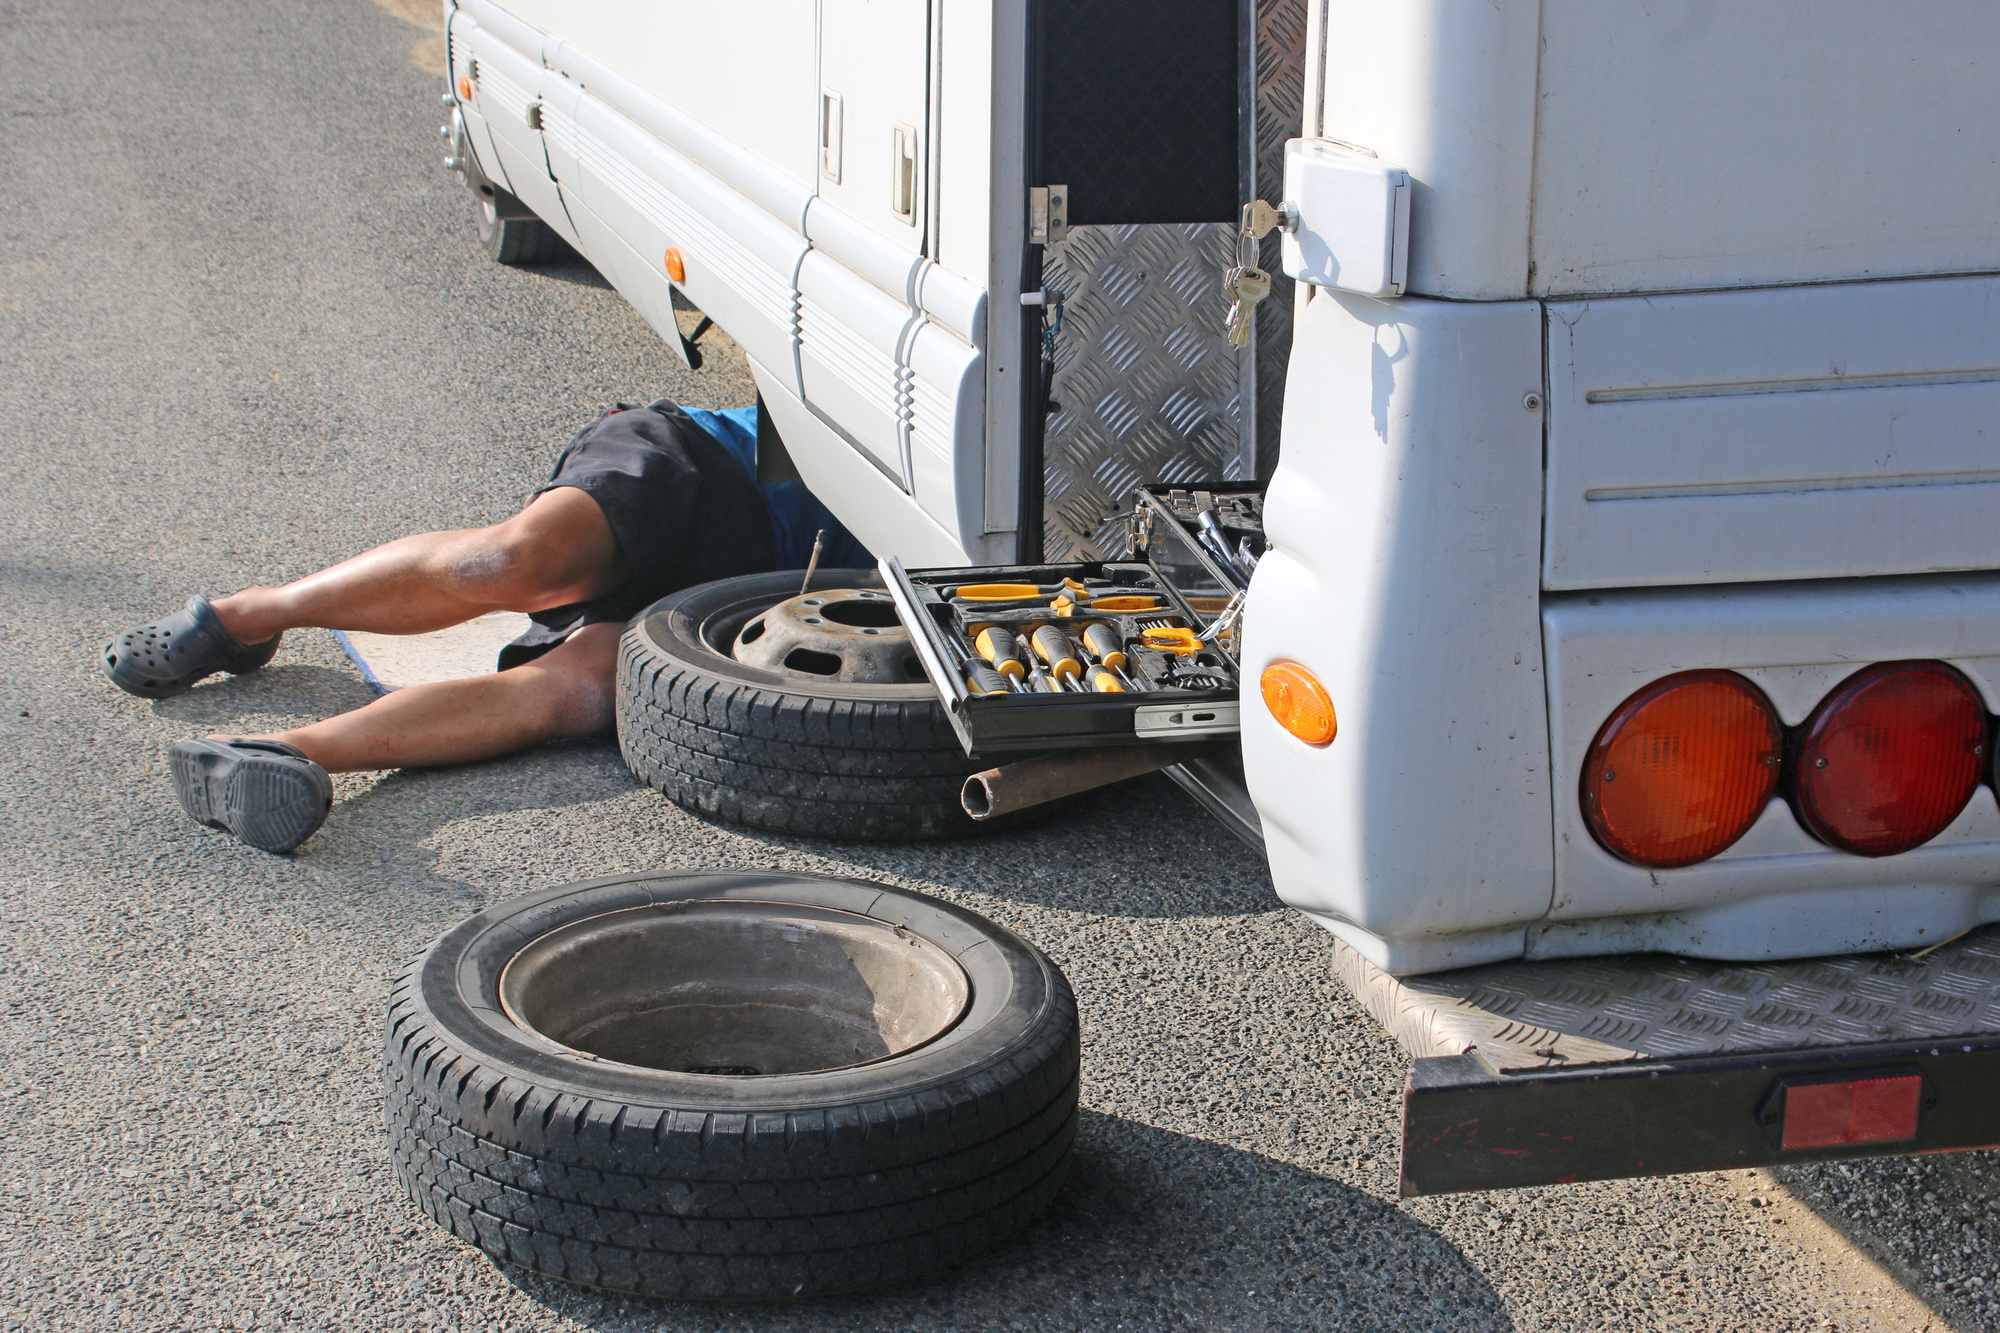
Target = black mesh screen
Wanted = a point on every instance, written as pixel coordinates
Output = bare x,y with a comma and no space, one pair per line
1139,109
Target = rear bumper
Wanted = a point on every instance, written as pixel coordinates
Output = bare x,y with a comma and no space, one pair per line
1469,1126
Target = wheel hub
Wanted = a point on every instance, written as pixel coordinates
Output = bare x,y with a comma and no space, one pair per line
844,634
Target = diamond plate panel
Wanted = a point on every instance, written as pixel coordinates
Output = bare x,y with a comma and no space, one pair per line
1149,387
1281,87
1570,1011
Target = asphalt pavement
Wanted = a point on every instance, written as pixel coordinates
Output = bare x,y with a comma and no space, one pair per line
245,330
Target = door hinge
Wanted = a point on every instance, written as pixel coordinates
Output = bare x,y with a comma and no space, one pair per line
1048,214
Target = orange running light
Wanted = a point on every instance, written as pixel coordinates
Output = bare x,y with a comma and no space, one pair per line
676,264
464,88
1682,769
1299,702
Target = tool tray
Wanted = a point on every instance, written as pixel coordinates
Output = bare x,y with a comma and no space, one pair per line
1169,696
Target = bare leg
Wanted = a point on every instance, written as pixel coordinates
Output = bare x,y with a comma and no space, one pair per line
557,550
565,692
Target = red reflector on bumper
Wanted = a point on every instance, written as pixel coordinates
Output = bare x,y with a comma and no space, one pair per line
1864,1110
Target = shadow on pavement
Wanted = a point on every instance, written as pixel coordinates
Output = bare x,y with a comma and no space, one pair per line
221,703
1155,1230
1152,851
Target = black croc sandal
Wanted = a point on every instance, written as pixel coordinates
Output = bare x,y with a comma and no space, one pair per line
167,656
265,792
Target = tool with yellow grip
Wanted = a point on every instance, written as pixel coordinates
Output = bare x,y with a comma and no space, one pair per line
1176,639
999,647
1104,646
1054,648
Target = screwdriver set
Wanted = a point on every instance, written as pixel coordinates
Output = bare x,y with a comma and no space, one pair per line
1095,652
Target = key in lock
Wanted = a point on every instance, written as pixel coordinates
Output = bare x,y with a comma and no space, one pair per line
1245,282
1246,285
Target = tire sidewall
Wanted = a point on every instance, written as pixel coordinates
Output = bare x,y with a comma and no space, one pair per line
1013,987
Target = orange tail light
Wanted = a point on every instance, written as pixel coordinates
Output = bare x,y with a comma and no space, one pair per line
1682,769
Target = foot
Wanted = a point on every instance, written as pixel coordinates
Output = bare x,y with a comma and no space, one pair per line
170,655
266,793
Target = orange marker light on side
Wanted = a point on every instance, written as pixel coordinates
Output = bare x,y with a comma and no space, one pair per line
676,264
1299,702
464,88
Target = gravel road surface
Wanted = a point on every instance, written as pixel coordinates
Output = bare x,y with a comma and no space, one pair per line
245,331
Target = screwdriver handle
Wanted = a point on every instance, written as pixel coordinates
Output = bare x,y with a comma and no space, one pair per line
1102,642
985,680
1055,649
998,647
1104,681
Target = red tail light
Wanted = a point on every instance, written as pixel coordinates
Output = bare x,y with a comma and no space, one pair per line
1682,769
1890,757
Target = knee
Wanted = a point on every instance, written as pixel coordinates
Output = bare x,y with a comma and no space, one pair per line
502,565
578,684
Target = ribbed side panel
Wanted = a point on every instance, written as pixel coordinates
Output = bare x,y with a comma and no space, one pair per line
500,95
867,370
768,291
930,417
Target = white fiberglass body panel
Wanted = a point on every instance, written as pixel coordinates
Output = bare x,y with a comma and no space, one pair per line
1572,147
1777,892
1691,144
1776,433
1404,572
878,348
744,70
508,94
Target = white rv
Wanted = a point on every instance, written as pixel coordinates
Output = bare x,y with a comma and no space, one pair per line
1625,445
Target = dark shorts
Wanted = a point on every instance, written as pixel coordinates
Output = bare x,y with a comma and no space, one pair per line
685,507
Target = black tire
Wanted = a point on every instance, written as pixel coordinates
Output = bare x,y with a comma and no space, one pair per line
705,1186
512,235
779,751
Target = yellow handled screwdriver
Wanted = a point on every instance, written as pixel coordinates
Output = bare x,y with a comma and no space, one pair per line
998,647
979,677
1104,680
1054,647
1102,643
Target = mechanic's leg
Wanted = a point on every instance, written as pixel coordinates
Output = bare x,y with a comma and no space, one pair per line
556,551
565,692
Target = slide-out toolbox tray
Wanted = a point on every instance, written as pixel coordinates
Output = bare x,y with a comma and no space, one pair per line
1183,574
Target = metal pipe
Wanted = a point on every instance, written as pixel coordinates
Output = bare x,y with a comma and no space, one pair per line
1050,777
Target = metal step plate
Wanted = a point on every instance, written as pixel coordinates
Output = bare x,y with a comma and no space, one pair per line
1566,1012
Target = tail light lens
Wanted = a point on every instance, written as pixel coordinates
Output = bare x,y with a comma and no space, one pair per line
1890,757
1682,769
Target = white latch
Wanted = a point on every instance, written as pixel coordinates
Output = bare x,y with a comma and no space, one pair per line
1353,228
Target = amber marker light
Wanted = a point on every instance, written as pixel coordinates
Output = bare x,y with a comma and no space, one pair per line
1299,702
1682,769
464,88
1889,758
676,263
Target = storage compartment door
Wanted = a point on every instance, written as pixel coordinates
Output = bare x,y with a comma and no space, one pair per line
874,67
508,93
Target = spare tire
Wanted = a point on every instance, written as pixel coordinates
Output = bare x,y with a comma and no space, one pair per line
783,750
731,1086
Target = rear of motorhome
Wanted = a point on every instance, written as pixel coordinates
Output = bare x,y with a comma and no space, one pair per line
1609,461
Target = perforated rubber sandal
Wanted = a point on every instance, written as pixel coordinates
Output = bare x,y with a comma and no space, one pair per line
266,793
168,656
